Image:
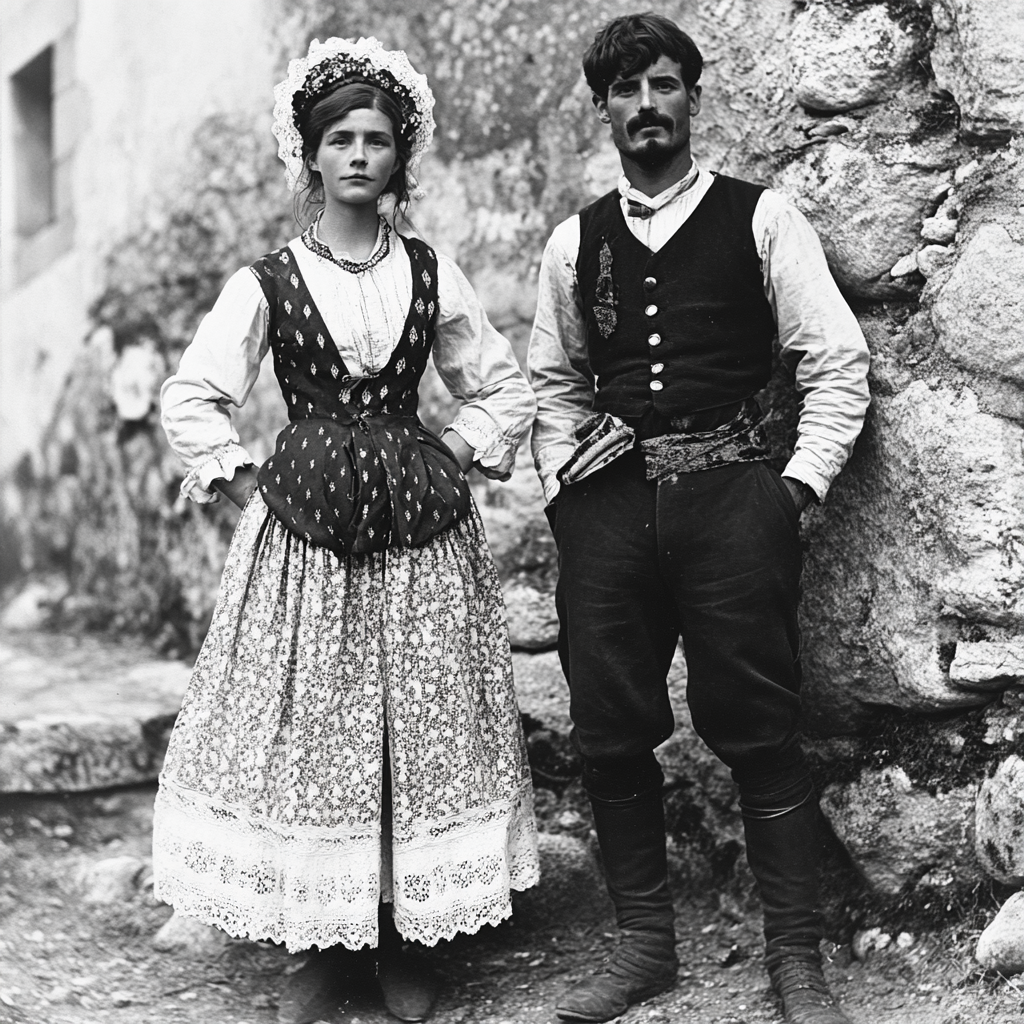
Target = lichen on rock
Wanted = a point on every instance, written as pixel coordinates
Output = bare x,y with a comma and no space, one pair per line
999,834
898,834
845,58
976,56
979,309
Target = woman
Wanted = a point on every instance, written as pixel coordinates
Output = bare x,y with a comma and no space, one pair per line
350,737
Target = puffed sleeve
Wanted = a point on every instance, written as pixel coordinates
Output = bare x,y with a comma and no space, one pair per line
216,371
478,367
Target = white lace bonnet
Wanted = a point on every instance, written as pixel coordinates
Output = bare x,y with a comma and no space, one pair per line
333,62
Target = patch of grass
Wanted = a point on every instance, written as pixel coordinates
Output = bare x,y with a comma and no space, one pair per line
939,116
938,752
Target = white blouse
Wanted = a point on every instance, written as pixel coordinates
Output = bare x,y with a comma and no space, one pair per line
365,313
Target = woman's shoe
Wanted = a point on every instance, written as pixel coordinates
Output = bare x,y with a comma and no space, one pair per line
316,988
409,984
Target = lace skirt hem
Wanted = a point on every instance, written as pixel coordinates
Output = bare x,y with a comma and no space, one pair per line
304,885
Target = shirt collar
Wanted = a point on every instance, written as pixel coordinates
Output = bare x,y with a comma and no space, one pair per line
626,190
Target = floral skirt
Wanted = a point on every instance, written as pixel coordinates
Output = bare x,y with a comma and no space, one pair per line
270,821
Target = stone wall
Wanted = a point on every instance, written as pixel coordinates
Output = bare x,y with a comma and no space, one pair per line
896,127
122,108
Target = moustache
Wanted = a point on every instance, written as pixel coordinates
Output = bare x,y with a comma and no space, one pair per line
649,119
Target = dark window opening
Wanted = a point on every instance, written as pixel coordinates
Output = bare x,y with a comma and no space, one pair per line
32,89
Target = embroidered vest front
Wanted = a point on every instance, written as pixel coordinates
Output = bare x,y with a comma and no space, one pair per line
355,471
684,329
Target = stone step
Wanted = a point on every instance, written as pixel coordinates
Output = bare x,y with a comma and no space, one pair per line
80,714
83,713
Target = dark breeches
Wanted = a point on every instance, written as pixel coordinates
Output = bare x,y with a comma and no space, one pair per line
712,556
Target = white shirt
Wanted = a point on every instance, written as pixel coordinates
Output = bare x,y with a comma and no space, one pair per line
364,314
816,329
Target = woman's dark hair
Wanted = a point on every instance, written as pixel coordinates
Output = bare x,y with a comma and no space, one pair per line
333,107
634,42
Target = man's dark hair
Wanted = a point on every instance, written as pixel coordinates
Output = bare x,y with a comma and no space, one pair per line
634,42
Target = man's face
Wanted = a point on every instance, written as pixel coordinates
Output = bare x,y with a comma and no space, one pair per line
649,113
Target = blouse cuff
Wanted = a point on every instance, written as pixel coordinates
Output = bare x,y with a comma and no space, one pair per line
222,464
490,446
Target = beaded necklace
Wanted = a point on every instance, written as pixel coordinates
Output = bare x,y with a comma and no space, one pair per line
312,240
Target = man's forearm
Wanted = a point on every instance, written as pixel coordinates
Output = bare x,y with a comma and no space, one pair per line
556,364
821,337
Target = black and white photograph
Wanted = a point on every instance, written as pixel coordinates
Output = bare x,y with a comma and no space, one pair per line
511,512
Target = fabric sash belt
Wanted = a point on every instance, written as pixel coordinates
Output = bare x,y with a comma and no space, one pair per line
685,450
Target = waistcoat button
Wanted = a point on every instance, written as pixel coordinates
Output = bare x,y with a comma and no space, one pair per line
650,283
651,310
656,385
654,339
657,367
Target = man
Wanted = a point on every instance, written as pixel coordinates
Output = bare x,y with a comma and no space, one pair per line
658,308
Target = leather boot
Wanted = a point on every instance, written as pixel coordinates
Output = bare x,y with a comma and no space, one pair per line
784,844
800,984
631,834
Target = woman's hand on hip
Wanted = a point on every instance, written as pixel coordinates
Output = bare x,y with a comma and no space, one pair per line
240,487
464,452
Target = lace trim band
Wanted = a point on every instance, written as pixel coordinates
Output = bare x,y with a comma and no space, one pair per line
321,885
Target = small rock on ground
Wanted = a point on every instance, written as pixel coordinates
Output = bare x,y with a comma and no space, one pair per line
34,605
112,880
1001,946
190,936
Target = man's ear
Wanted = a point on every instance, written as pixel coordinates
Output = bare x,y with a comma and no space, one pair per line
695,100
602,108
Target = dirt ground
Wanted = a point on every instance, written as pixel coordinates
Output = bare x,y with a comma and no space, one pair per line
63,961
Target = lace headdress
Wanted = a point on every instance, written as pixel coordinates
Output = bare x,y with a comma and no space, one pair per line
334,62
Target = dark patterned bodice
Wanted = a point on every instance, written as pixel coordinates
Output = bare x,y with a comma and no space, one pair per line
355,471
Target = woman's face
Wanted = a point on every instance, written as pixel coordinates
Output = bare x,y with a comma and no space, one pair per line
356,157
